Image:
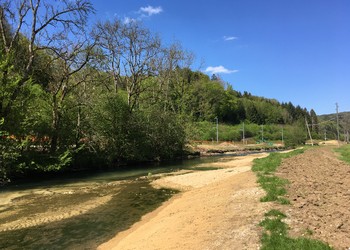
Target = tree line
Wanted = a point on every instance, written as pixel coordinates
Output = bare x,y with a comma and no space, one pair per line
75,96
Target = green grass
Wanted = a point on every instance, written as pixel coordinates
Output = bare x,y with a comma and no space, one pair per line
269,164
275,235
273,185
344,153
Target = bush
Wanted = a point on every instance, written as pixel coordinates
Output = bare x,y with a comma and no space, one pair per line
122,136
9,153
294,136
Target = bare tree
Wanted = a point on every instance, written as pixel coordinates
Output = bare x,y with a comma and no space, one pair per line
170,78
67,63
45,24
109,37
130,52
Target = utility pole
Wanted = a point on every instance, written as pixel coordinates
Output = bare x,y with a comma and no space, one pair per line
217,129
262,133
325,135
336,105
308,130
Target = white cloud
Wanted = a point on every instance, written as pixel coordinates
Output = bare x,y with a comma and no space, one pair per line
150,10
230,38
127,20
219,70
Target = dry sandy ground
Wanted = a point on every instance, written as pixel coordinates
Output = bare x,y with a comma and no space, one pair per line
218,209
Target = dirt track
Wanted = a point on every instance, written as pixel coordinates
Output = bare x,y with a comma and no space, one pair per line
219,209
320,194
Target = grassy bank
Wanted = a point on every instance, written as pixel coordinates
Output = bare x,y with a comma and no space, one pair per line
275,234
344,152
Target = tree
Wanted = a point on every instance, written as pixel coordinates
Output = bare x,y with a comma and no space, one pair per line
130,52
173,79
34,19
252,113
295,134
67,62
109,37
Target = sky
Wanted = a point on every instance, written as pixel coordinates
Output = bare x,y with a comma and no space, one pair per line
288,50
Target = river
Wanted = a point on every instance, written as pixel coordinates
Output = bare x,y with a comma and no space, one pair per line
81,212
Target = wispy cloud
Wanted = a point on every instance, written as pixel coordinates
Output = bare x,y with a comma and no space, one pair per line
230,38
127,20
150,10
142,13
219,70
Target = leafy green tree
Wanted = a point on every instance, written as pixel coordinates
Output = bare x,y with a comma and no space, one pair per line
252,113
295,135
206,99
33,18
9,153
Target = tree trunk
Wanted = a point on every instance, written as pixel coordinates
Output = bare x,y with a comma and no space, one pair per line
77,135
55,125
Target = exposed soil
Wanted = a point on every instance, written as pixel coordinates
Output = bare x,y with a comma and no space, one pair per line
218,209
320,194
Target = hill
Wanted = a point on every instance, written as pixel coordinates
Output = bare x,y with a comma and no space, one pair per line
328,124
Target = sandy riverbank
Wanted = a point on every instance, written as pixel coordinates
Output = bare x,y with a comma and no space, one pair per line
217,209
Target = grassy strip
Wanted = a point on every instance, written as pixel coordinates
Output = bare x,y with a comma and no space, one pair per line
275,235
273,185
276,231
344,153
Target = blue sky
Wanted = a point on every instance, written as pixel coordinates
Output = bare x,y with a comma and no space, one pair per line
289,50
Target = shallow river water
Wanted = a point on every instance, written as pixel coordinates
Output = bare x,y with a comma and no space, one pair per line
84,211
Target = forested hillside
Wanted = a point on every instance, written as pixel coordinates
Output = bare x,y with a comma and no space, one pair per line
74,96
328,126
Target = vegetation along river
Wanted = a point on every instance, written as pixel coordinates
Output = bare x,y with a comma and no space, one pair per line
84,211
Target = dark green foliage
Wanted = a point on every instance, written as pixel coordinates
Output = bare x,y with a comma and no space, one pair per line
139,136
295,135
9,153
